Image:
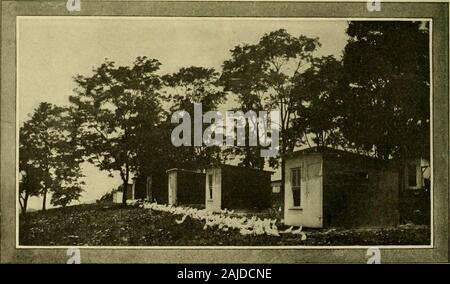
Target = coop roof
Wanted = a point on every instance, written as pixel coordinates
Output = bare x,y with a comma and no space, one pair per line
183,170
238,167
328,151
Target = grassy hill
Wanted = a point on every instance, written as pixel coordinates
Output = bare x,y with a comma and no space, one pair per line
112,225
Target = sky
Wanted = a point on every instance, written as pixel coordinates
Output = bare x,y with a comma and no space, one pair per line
52,50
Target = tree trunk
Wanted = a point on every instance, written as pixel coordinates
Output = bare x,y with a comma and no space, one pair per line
124,191
25,226
283,175
44,202
23,205
282,153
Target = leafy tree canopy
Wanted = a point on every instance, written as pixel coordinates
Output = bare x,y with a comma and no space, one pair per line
386,67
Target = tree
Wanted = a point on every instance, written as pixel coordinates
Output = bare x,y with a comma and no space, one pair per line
387,88
30,183
317,103
154,152
262,75
62,196
113,107
184,88
49,157
243,75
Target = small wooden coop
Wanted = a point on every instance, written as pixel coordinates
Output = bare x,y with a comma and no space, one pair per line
185,187
326,187
237,188
150,187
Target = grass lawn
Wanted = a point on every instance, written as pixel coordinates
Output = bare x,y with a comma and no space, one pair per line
97,225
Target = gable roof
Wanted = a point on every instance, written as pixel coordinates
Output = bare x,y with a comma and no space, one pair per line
238,167
329,151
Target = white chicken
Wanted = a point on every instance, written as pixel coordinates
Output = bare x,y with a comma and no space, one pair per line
182,220
246,232
272,232
287,231
297,232
222,221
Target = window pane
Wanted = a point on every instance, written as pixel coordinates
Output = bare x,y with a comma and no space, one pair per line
296,179
296,195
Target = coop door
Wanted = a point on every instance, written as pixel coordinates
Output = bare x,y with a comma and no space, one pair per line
172,189
217,195
210,193
313,193
313,176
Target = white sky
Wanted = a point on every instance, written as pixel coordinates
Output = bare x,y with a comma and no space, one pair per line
51,50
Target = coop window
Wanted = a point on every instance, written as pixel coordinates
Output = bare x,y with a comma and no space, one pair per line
210,186
412,175
295,185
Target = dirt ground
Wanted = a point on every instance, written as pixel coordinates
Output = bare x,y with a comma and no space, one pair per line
100,225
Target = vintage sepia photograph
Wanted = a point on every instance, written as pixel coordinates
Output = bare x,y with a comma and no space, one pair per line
223,132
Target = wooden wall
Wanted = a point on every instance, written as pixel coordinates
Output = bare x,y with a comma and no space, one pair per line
152,187
359,192
310,211
245,189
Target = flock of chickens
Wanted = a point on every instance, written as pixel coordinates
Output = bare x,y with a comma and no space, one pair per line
224,220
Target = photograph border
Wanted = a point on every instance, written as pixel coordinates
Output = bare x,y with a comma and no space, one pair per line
436,252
